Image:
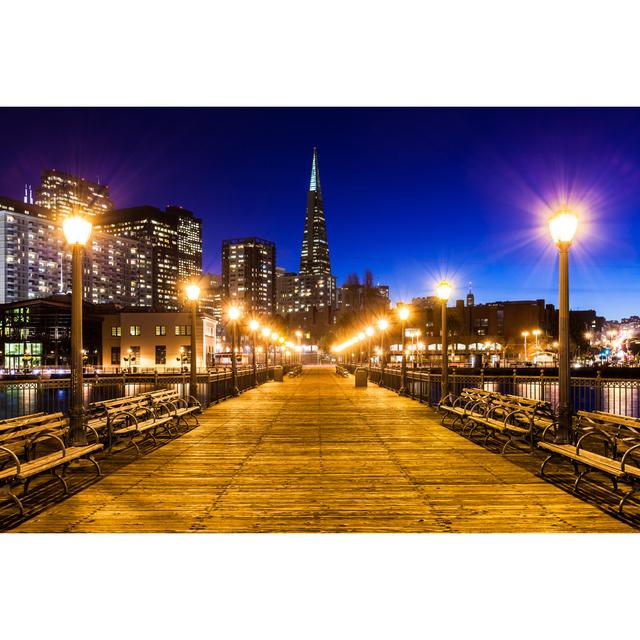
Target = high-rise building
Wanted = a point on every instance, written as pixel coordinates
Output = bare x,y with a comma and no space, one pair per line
189,243
317,285
35,261
176,259
249,274
287,290
211,294
63,194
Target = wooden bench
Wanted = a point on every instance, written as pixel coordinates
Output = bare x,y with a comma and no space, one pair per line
586,461
139,420
17,433
296,371
341,371
177,407
469,400
25,464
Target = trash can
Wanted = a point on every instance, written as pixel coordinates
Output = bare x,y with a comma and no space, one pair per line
277,374
362,376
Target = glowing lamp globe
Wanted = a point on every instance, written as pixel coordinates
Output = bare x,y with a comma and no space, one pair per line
76,230
193,292
563,226
274,336
361,335
234,313
403,313
266,332
383,325
443,290
254,325
369,331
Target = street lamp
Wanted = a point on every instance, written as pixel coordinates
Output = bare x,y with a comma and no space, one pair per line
281,342
525,335
369,332
562,226
193,293
76,231
383,325
254,325
443,290
234,314
274,340
266,334
403,314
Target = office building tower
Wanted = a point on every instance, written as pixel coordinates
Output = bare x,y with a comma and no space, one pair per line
63,194
249,274
175,236
35,261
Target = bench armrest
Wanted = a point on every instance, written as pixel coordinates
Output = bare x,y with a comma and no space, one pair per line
14,456
44,436
626,455
603,436
196,402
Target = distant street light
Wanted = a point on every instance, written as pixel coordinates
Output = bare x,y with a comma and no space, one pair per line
562,226
525,335
254,325
266,334
383,325
369,331
193,294
443,290
76,231
403,314
234,314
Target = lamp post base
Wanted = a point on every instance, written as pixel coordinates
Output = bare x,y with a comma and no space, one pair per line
77,434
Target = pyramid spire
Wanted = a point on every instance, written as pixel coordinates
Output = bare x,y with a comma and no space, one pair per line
314,258
314,183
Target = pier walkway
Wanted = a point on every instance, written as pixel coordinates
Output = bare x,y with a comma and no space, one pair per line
316,454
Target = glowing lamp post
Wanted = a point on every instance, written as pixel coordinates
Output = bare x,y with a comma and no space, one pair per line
403,314
254,325
563,225
266,334
443,291
369,331
281,343
234,315
525,335
76,231
193,294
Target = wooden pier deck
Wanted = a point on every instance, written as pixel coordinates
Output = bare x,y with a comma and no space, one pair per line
315,454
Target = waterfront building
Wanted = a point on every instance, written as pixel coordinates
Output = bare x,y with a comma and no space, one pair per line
35,261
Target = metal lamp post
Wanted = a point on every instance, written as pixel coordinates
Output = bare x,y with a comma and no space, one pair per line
77,231
525,335
193,293
281,343
254,325
403,314
563,225
234,315
443,291
369,331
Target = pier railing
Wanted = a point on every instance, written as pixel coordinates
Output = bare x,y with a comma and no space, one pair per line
614,395
33,394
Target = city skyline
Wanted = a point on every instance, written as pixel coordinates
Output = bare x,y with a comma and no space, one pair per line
457,210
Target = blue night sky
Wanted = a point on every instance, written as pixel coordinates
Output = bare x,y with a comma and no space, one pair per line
412,194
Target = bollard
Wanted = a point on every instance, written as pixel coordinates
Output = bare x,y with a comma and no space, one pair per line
361,377
277,374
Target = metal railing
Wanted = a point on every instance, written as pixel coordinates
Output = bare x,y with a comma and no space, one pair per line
24,396
614,395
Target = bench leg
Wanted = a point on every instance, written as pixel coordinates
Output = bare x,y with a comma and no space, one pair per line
96,465
544,464
626,497
17,500
580,476
62,480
